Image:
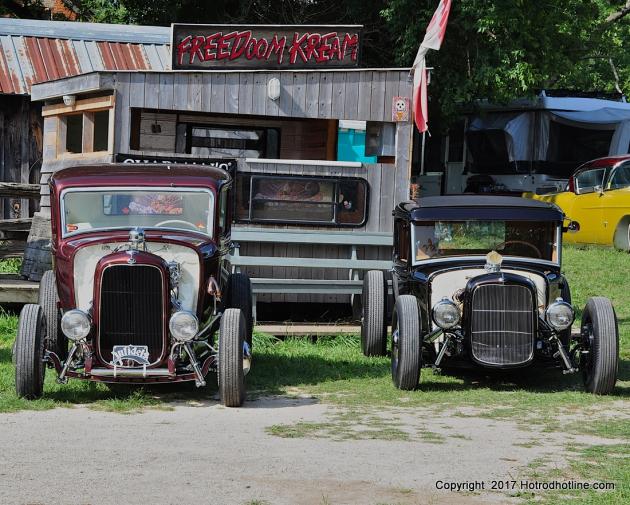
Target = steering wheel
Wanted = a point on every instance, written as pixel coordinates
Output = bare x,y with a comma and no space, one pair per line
521,242
181,221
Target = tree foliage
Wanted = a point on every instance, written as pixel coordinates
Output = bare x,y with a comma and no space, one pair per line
494,49
500,50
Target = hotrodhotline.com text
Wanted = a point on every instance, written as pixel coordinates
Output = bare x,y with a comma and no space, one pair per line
521,485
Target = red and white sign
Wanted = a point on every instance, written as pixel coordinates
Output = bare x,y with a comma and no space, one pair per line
244,47
400,109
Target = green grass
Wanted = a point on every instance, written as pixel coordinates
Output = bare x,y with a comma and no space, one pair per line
10,265
334,370
594,464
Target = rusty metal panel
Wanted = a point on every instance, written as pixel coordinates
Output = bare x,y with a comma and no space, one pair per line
33,51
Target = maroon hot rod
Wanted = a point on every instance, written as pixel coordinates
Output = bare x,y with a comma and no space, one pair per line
139,292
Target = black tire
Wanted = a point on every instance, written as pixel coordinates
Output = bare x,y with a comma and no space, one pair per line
600,335
55,340
373,326
239,296
231,377
406,346
29,352
565,335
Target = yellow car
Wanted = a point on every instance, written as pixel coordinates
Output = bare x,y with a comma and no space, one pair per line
598,199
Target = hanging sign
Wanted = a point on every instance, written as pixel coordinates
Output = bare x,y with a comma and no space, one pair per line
224,47
400,109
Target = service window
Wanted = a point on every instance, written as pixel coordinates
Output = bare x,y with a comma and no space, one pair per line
304,200
232,141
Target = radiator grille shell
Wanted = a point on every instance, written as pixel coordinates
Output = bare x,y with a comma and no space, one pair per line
131,309
503,324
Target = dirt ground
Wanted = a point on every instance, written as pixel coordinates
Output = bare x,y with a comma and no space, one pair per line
208,454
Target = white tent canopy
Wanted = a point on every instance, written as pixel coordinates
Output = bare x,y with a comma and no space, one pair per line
527,130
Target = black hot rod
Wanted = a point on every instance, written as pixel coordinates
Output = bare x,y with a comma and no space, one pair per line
478,279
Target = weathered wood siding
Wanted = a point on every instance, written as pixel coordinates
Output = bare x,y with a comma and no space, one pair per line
364,95
20,150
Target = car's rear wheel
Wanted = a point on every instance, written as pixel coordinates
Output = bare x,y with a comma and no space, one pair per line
239,296
600,339
29,352
56,341
406,347
231,377
374,300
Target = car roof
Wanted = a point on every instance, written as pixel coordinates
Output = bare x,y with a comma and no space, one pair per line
490,207
607,161
142,174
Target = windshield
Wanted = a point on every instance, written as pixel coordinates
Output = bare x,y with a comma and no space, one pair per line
181,209
529,239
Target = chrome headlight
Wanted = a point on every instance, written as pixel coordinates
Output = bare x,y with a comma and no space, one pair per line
183,325
445,314
560,315
75,324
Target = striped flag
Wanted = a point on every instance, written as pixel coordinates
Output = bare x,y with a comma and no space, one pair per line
432,40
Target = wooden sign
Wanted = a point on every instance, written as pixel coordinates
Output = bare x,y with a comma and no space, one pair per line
400,109
224,47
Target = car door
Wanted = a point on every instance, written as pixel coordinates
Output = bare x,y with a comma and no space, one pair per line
615,201
587,205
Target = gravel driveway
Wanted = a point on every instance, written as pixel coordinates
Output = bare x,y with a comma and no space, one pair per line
208,454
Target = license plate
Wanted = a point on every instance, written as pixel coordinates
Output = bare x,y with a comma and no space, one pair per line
123,354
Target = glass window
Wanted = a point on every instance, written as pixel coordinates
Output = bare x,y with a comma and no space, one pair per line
337,202
190,210
620,177
586,181
441,239
233,141
223,210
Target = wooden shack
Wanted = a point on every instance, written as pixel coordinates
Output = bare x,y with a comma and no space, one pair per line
306,223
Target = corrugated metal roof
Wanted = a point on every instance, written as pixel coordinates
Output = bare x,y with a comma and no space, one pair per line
33,51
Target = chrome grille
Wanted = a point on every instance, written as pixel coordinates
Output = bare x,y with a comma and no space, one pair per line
502,324
131,309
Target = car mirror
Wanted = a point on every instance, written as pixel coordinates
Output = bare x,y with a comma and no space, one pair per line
572,227
598,189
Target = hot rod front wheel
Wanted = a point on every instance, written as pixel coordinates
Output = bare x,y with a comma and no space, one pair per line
231,377
29,352
406,347
600,342
374,300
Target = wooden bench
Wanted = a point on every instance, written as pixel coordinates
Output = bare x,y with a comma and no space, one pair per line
351,286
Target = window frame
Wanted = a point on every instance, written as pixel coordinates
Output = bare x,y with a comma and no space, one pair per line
622,166
86,108
336,180
62,208
264,141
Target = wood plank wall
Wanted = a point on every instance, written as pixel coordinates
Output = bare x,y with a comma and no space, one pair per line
354,95
20,150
